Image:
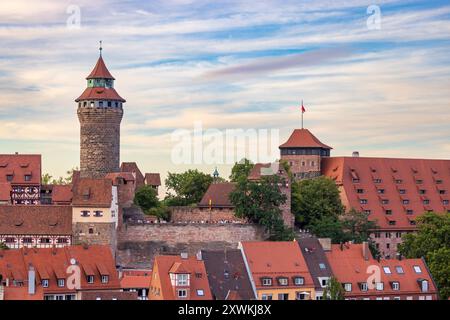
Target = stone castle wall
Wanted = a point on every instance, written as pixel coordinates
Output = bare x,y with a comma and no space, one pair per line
102,233
203,215
99,141
138,244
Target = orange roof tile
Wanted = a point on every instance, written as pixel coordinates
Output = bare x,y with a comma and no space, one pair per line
394,175
135,282
19,165
99,93
62,193
152,179
100,71
219,194
303,138
89,192
275,259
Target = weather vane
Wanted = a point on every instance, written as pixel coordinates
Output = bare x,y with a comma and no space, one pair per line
100,48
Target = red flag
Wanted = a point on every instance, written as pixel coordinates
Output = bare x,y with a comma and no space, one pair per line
303,108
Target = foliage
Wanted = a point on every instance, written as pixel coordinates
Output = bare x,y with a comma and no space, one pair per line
241,170
146,198
3,246
187,187
333,290
260,203
314,199
46,178
161,211
431,241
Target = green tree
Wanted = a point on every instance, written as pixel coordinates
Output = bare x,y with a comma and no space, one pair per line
432,242
3,246
333,290
46,179
260,203
328,227
241,169
146,198
357,226
186,188
314,199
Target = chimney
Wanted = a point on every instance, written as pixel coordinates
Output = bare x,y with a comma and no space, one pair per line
184,255
365,250
199,255
31,280
355,154
325,243
399,256
16,153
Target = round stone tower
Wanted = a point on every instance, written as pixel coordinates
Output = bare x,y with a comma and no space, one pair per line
100,113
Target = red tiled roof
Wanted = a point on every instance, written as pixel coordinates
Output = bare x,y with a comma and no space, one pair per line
127,176
62,193
349,266
344,170
264,169
53,263
276,259
5,191
100,71
20,165
92,193
135,281
303,138
35,220
164,263
21,293
98,93
133,168
219,194
109,295
152,179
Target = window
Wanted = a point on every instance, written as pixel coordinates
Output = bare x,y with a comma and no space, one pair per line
182,293
367,211
28,177
109,103
105,279
61,282
419,181
417,269
359,190
62,240
283,296
303,163
27,240
441,191
283,281
385,201
182,279
439,181
398,234
355,180
90,279
397,298
387,270
388,245
91,230
398,181
426,201
379,286
44,240
98,213
377,235
299,281
266,297
92,104
422,191
392,222
409,211
363,286
380,191
200,292
363,201
402,191
266,281
322,266
348,287
399,270
44,283
396,286
405,201
445,202
388,212
9,177
387,234
85,213
377,180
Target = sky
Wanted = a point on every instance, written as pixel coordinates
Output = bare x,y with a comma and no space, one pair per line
374,75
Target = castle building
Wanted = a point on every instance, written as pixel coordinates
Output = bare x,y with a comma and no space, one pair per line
100,113
393,192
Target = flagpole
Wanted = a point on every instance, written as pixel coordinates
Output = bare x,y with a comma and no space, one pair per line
302,113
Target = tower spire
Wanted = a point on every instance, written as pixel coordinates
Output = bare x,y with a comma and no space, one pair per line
100,48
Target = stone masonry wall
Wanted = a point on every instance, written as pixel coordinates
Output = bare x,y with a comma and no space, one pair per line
195,214
99,141
139,244
102,233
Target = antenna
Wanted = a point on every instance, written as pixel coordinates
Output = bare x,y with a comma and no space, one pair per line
100,49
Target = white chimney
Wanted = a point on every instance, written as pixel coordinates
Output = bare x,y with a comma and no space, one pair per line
184,255
355,154
31,280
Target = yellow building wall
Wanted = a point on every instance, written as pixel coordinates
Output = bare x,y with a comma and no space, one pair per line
292,292
76,215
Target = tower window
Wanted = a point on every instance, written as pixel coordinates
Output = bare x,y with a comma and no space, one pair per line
117,104
109,103
84,104
100,104
92,104
312,163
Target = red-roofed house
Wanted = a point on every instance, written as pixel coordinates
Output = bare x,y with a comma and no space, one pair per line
153,180
179,278
138,281
405,279
278,270
55,271
23,174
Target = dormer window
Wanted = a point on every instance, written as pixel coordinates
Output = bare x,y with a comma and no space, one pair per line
61,283
85,213
9,177
182,293
379,286
395,285
363,286
105,279
424,286
182,279
98,213
28,177
44,283
376,180
90,279
299,281
282,281
417,269
266,281
348,287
